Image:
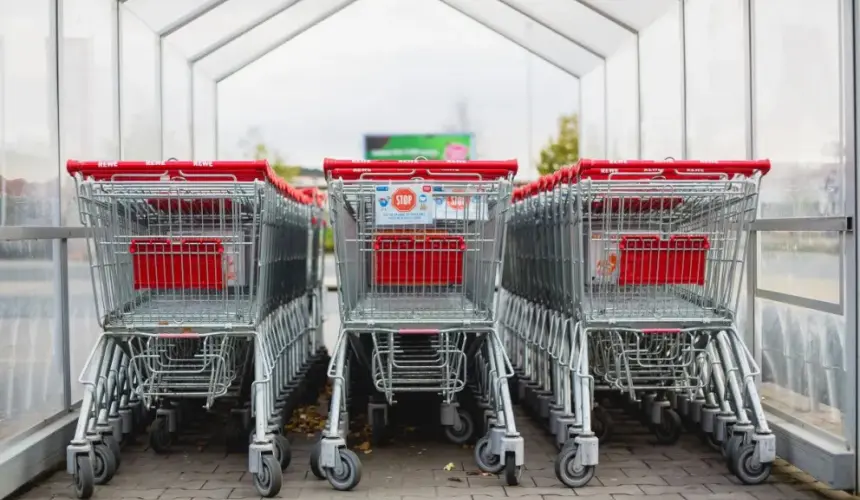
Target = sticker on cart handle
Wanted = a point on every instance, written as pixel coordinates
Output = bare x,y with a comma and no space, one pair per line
403,205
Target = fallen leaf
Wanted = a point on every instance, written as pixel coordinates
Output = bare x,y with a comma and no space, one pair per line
455,479
364,446
450,466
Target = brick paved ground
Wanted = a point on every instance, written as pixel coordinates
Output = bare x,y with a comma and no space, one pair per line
631,467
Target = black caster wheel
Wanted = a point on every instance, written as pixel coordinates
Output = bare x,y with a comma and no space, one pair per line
730,449
601,424
462,433
84,477
283,451
270,478
347,474
160,439
113,446
104,464
315,461
668,431
378,429
747,468
513,472
568,472
485,460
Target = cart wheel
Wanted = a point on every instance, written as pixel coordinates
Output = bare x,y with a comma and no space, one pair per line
601,424
463,433
160,439
668,431
315,461
283,451
113,446
84,477
103,464
710,439
378,429
747,468
485,460
730,448
270,478
568,472
347,474
513,472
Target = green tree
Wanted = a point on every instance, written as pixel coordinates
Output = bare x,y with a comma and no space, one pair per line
255,148
281,168
562,150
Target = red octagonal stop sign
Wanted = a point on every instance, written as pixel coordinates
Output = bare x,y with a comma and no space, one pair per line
403,200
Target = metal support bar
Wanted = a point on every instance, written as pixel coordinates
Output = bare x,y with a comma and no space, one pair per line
511,39
809,224
17,233
638,96
281,41
190,17
609,17
799,301
682,25
246,28
584,46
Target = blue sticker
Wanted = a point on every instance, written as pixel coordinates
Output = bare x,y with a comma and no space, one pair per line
382,188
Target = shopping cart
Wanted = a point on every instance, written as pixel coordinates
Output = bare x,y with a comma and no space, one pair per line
418,246
625,276
202,273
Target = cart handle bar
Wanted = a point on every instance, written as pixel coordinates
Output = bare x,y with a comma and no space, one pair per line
639,170
200,171
355,169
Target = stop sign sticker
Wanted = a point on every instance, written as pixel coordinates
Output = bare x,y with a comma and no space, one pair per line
404,200
404,205
457,202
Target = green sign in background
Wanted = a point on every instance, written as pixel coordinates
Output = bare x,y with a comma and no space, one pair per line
409,147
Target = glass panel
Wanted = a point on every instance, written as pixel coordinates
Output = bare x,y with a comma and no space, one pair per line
205,117
158,14
799,122
30,388
176,92
89,114
577,22
638,14
541,40
141,134
30,362
28,142
622,114
593,142
460,78
806,264
715,80
231,17
660,67
803,364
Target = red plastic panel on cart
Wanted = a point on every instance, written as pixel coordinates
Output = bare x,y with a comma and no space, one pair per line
418,259
649,260
191,263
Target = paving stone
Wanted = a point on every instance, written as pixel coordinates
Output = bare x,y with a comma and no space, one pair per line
630,468
623,480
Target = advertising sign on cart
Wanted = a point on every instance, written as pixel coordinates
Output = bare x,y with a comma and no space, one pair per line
403,204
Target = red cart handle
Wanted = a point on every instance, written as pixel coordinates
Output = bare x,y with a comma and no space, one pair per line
198,171
427,169
666,169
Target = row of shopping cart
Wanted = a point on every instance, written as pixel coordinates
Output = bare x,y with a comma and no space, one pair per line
623,278
207,278
418,246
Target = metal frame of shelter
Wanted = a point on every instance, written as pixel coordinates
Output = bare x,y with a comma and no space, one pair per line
830,460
